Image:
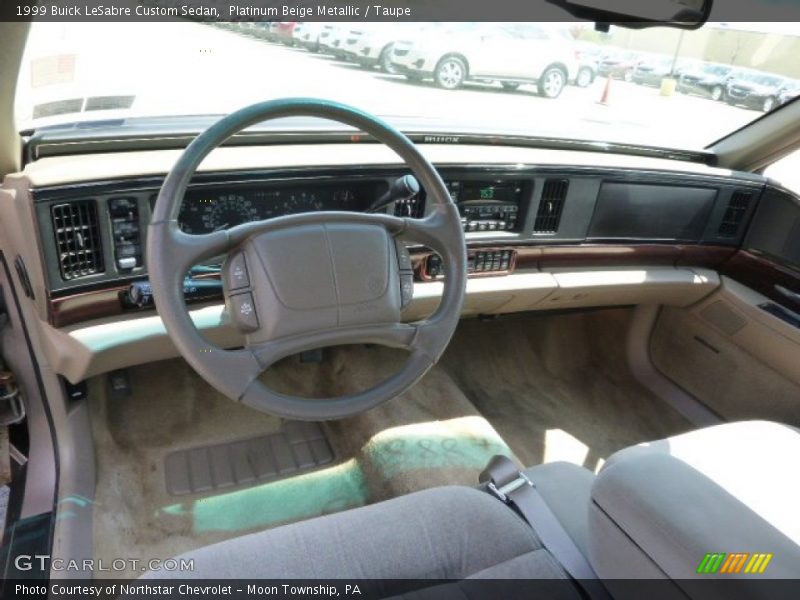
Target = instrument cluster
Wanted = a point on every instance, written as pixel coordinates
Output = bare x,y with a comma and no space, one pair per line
213,209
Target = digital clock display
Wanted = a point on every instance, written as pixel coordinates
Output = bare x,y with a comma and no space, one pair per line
487,193
505,191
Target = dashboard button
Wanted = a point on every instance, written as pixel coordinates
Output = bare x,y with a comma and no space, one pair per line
236,277
403,257
127,262
243,311
406,289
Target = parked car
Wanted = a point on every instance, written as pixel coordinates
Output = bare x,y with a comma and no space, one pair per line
334,42
307,35
651,71
282,32
619,64
755,89
706,79
512,54
587,73
588,56
348,42
260,30
789,93
371,45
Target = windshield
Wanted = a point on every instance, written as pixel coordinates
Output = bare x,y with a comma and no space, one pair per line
759,78
562,80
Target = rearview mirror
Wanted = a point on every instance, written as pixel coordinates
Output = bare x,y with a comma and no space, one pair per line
638,14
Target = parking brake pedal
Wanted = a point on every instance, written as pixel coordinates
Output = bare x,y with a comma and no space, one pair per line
119,384
311,356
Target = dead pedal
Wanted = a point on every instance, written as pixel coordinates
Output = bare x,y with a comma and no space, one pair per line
298,446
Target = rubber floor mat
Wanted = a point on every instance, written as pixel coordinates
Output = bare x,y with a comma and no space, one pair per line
298,446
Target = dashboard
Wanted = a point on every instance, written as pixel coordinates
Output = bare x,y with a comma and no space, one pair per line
485,205
517,218
544,230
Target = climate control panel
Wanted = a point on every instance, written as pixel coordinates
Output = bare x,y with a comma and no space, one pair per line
124,215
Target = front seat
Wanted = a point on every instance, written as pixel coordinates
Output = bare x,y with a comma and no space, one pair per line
448,532
654,511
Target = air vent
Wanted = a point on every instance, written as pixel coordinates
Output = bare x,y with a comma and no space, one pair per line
77,238
413,207
734,214
548,216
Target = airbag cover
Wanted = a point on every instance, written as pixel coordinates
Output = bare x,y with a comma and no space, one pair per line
318,277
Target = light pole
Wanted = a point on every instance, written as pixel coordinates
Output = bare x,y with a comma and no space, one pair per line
669,82
677,52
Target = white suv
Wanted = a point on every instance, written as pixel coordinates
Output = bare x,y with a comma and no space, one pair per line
374,42
513,54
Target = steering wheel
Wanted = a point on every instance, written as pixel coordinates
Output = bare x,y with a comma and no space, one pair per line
305,281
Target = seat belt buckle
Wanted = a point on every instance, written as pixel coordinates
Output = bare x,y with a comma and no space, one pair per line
503,491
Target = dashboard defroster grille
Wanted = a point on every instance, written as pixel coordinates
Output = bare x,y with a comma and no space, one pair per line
77,237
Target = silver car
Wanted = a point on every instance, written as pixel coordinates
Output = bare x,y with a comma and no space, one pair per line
371,45
512,54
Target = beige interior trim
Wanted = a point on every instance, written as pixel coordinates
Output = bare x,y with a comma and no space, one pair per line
762,142
19,236
640,364
733,311
87,349
89,167
14,36
644,285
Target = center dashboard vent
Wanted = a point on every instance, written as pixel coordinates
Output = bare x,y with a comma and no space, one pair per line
548,216
734,214
77,236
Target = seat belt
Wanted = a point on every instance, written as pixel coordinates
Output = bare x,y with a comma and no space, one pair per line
506,482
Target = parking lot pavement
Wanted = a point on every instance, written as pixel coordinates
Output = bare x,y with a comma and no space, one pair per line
188,68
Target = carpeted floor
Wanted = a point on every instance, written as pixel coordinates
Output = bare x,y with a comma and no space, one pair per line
430,436
549,387
557,386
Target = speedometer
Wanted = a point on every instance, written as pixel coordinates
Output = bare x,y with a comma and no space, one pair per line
301,201
207,209
227,211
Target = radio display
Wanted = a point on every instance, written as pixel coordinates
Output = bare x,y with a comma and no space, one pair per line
488,205
490,191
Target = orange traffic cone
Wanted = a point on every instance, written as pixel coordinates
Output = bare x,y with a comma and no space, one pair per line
606,91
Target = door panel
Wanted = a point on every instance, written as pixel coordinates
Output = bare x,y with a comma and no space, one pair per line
769,261
724,354
738,350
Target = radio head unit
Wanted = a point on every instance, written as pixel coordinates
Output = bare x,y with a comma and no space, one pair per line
488,205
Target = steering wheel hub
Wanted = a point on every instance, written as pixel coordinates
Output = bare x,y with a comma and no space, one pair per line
313,277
